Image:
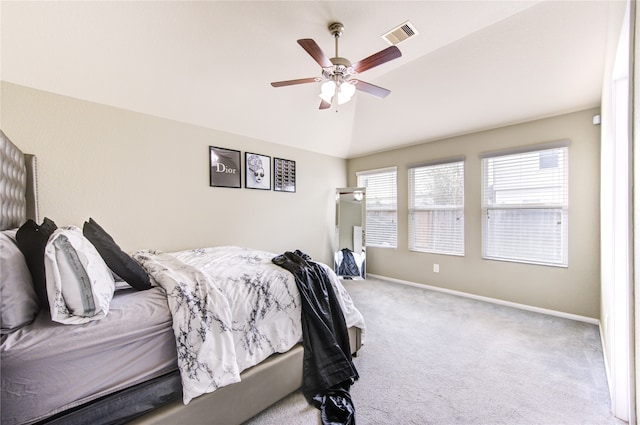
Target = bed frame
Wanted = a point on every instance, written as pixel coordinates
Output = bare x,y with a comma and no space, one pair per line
260,386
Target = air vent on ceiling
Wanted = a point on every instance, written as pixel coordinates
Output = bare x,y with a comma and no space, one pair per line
400,33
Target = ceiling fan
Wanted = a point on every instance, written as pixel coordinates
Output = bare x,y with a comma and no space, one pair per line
338,82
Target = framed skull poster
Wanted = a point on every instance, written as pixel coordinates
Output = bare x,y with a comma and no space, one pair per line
257,171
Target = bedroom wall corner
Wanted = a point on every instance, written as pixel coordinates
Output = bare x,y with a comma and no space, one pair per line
573,290
146,179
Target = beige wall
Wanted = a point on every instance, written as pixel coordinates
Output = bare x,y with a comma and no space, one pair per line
146,179
574,290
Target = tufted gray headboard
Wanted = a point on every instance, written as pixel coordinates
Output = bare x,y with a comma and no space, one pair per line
18,185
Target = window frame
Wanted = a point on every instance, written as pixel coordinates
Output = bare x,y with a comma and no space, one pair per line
449,242
360,176
556,209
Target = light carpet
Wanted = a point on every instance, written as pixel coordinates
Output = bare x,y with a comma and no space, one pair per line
435,358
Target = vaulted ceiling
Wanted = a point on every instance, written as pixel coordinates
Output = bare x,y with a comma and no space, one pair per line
474,65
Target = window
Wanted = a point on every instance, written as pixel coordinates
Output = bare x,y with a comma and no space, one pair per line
382,210
525,205
436,207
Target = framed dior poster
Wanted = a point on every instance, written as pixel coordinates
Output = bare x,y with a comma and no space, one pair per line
224,167
284,175
257,171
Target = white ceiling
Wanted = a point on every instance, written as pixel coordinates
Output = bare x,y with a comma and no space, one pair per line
474,65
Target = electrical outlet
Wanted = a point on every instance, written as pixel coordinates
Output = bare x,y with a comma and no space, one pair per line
436,268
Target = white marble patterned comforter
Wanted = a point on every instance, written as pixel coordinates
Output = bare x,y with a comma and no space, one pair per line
232,308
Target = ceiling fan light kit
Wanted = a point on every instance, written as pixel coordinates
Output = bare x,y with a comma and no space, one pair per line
343,89
338,84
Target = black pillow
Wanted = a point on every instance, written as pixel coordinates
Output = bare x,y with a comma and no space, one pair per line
32,240
118,261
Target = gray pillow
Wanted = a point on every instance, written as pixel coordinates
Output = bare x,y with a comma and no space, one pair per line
18,300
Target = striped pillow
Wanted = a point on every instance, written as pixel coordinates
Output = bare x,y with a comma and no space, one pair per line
80,286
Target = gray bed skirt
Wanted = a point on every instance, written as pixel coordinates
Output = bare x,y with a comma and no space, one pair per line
159,401
125,405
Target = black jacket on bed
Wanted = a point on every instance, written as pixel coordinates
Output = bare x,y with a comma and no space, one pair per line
328,370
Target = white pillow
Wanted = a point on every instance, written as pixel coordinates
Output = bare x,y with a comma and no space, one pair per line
79,284
18,300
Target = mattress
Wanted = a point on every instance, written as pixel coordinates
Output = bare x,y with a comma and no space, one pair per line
48,367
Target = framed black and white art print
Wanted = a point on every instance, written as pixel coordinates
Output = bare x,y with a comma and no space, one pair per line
284,175
257,171
224,170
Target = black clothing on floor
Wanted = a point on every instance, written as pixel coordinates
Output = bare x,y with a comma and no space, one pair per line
328,370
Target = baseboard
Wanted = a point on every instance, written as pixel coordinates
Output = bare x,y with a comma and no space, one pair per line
549,312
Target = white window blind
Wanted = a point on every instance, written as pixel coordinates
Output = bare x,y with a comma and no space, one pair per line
381,203
436,207
525,202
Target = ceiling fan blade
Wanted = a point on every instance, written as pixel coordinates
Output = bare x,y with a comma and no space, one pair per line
372,89
293,82
324,104
315,51
383,56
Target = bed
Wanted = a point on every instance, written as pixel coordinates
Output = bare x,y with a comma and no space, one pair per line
123,356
